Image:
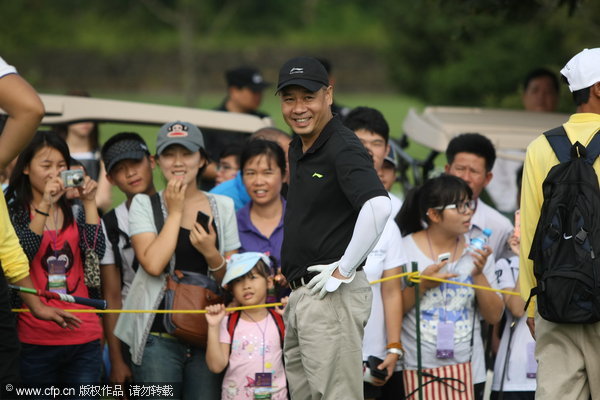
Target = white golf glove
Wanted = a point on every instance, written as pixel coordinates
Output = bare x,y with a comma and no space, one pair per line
324,283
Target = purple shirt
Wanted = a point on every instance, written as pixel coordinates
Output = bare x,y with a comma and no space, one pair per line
253,240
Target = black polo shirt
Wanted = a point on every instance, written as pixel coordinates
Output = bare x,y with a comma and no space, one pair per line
328,186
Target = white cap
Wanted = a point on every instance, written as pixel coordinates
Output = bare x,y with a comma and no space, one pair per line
583,70
241,263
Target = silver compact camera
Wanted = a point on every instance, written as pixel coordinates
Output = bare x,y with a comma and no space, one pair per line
72,177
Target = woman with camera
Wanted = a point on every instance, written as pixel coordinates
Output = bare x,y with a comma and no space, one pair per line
62,248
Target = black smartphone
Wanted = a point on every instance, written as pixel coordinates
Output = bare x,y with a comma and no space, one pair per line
373,362
203,219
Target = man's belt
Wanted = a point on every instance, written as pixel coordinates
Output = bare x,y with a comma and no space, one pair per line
303,280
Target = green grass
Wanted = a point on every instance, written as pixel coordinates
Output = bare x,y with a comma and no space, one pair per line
393,106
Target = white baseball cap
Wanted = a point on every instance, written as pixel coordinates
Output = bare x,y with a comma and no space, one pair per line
241,263
583,70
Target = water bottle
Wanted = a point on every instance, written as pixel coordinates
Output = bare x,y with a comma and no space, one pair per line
465,264
478,242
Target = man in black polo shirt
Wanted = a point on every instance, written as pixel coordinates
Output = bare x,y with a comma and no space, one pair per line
336,210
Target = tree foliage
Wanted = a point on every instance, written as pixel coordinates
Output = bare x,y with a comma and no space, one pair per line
471,52
476,52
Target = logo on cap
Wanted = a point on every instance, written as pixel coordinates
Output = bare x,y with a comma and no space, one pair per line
296,70
257,78
177,130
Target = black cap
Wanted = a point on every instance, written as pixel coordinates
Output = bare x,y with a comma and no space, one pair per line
246,77
307,72
391,157
124,146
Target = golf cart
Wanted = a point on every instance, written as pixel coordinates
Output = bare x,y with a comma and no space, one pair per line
68,109
509,130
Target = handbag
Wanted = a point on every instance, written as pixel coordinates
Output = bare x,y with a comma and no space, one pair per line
189,291
448,382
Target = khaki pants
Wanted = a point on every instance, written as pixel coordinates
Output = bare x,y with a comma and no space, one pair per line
568,358
323,341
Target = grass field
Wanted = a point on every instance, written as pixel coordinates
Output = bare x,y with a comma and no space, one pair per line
394,107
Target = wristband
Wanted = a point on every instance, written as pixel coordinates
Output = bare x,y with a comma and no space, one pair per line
219,267
394,345
396,351
41,212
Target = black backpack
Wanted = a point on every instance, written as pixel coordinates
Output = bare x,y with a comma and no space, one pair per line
567,238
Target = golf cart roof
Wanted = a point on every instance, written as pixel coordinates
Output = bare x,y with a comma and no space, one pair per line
508,130
68,109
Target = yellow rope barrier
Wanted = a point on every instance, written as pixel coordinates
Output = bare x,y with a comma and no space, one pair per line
416,278
119,311
412,276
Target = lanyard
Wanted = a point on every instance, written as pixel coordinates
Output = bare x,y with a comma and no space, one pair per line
55,232
263,332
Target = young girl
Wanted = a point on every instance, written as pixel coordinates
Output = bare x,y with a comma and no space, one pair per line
181,244
255,346
450,329
55,242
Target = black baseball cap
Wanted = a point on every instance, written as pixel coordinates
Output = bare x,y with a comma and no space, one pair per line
123,146
307,72
246,77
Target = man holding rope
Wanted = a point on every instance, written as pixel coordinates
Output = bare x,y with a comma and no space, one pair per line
25,110
336,211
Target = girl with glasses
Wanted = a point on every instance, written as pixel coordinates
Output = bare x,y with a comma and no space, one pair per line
434,220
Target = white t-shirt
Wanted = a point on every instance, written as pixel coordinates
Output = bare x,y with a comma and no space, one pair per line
503,187
127,255
515,379
6,69
386,254
486,217
396,205
445,302
253,342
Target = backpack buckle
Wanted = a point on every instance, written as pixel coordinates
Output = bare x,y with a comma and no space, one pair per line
581,236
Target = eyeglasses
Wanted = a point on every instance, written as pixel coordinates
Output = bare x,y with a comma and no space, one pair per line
461,208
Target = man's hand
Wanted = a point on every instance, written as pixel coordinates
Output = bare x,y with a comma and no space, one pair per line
317,284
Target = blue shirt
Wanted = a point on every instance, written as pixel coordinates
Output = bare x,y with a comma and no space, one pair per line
253,240
235,189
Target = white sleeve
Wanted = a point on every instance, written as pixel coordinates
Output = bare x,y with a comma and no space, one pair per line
6,69
109,256
141,217
395,256
370,223
489,270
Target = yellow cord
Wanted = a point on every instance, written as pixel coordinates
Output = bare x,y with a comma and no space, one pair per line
412,276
